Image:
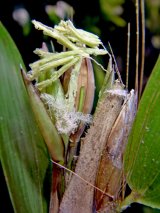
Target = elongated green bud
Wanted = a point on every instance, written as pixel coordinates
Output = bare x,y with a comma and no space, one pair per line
85,94
48,130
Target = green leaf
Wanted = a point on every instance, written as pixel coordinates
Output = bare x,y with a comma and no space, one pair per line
23,153
142,157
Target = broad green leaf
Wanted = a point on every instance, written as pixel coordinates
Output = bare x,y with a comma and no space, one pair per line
23,153
142,157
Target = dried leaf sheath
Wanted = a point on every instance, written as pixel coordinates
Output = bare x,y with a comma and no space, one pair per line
84,102
78,196
110,172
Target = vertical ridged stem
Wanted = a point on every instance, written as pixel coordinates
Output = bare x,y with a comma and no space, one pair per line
143,46
137,44
128,52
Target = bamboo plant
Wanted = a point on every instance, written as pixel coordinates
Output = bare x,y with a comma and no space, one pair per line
57,154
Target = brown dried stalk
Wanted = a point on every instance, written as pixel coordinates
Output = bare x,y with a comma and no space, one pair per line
78,196
110,172
142,46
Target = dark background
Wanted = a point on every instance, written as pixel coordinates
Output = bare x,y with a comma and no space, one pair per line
89,16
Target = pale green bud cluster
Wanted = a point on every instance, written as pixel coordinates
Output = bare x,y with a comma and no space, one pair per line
51,66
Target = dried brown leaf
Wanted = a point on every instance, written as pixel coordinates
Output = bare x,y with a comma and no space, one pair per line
78,196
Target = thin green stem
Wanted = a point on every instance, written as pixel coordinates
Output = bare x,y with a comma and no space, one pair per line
131,198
